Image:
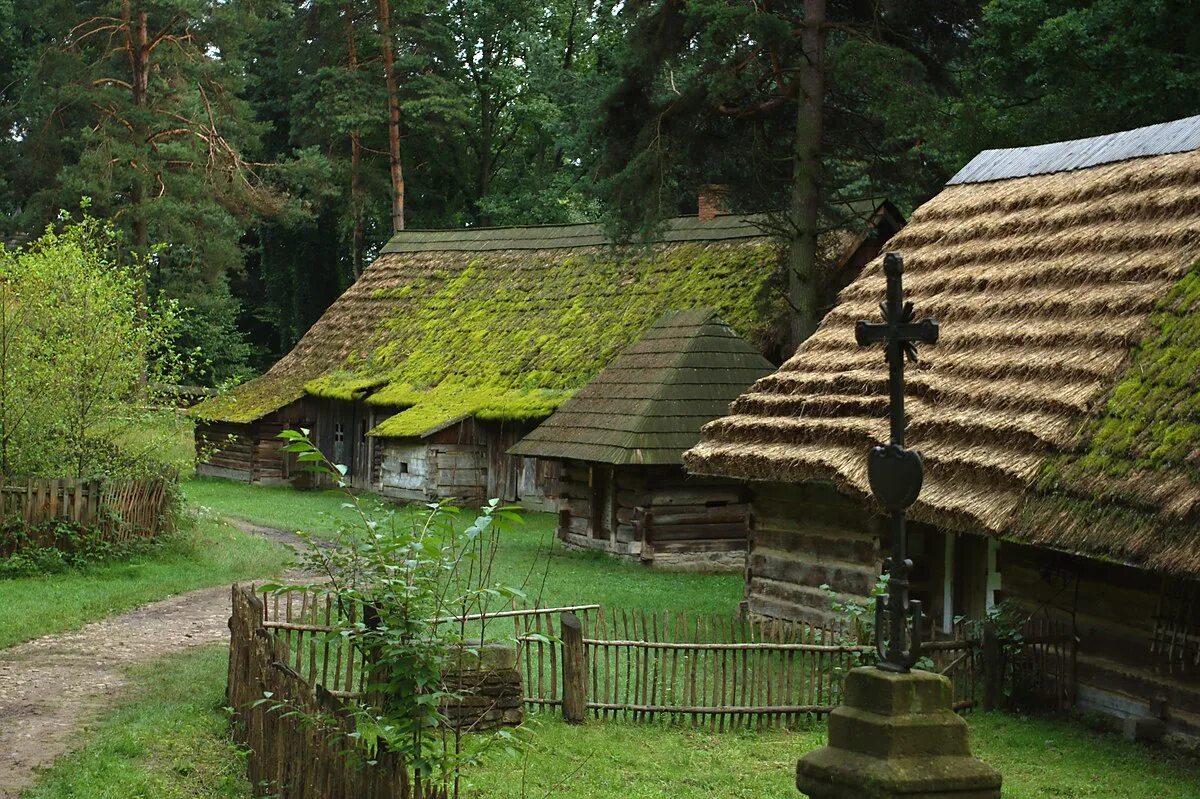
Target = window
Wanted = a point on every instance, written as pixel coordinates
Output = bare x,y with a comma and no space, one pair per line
403,467
339,443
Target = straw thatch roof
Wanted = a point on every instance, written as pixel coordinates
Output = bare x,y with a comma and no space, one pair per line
506,323
1062,405
647,407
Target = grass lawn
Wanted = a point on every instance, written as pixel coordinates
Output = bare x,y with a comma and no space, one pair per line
530,555
168,739
162,742
211,554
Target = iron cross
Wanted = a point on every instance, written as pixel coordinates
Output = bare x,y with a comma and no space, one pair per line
895,472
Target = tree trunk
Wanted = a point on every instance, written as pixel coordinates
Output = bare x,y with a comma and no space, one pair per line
803,266
356,204
387,46
138,44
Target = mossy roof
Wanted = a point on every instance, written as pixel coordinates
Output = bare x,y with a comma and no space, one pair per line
648,405
507,323
1061,406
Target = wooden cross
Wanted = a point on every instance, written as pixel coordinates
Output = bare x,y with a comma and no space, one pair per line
895,472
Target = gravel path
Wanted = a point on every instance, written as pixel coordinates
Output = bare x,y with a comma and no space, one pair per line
52,687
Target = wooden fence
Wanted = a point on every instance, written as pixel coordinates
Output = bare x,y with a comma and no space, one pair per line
299,741
122,509
722,672
717,671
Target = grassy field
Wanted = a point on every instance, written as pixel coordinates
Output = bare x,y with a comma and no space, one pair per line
211,554
530,555
165,743
160,743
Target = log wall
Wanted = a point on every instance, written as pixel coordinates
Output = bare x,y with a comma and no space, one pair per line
1114,610
658,514
802,537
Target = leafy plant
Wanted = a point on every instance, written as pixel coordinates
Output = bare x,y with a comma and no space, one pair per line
403,587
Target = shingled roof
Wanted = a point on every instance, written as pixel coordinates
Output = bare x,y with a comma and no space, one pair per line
647,407
506,323
1062,405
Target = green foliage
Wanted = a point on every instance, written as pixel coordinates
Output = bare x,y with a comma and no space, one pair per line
399,583
80,348
1048,70
58,546
705,93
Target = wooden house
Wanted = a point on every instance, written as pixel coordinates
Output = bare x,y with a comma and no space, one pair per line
622,487
1057,417
454,344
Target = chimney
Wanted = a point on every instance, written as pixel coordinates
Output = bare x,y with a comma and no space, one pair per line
712,202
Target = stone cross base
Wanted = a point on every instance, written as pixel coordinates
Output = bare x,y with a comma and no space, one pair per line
490,685
896,737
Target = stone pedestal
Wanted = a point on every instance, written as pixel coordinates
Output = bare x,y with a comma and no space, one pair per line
896,737
491,688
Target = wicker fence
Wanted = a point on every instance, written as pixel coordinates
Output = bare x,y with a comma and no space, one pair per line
121,509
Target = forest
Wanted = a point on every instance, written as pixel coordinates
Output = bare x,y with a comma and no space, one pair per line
277,144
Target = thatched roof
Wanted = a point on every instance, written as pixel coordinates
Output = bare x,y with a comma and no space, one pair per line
506,323
1062,405
647,407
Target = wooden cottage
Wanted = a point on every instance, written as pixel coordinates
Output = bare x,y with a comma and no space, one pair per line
1059,417
454,344
620,439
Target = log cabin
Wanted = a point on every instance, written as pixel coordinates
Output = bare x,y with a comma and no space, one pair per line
1057,417
619,440
454,344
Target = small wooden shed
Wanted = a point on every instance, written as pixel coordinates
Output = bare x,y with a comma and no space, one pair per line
620,439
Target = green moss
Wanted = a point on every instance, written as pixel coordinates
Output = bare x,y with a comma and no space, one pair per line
512,334
252,400
1151,420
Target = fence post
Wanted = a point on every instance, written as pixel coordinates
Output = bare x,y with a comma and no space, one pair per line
574,669
993,667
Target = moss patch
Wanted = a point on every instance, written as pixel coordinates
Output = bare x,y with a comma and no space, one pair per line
510,334
1152,418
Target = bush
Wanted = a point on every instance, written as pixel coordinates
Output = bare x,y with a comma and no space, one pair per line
58,546
80,345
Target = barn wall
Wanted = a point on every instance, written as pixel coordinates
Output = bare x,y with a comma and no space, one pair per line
450,464
227,449
1115,610
802,537
655,513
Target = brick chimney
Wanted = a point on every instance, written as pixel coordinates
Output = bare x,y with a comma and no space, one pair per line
712,202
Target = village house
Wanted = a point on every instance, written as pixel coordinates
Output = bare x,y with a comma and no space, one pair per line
622,487
454,344
1057,417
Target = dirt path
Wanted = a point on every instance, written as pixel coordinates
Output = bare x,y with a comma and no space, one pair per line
52,687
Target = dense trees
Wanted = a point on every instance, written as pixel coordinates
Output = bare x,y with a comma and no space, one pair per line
274,145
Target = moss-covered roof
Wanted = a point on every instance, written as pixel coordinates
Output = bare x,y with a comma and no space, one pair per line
508,323
647,407
1138,467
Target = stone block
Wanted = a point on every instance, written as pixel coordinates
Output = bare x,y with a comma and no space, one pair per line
1144,728
896,737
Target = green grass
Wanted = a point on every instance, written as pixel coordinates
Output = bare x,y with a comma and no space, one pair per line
162,742
211,553
608,760
529,556
168,739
